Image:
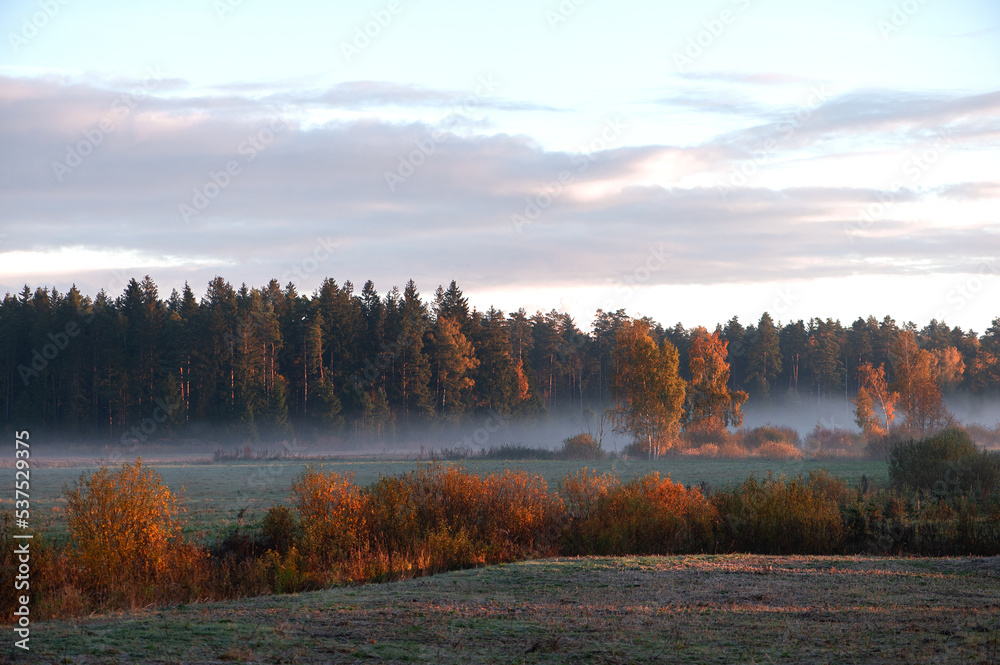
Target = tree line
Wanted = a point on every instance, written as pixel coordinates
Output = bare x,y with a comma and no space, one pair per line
269,363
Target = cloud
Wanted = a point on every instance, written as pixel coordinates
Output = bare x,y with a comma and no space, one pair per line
297,190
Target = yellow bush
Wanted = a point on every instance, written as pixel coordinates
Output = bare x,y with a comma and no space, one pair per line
126,526
334,514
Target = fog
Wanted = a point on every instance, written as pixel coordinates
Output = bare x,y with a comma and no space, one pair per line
480,432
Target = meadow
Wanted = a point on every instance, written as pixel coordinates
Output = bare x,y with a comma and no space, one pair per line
680,609
214,493
475,560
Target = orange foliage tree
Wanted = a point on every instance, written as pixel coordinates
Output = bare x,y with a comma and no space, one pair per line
648,391
711,405
875,404
917,385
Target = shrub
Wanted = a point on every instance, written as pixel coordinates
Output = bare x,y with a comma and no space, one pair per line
759,435
334,515
709,450
945,463
502,515
53,589
435,518
836,442
732,449
647,515
986,437
280,530
126,526
581,447
781,516
777,450
700,436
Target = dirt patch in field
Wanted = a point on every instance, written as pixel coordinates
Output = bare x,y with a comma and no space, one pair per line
688,609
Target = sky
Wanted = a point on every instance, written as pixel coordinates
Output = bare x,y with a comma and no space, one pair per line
679,160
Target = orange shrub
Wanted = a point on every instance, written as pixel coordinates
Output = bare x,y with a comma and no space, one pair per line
126,526
777,450
647,515
334,514
434,518
503,516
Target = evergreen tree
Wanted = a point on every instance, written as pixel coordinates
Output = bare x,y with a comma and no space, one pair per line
453,361
764,357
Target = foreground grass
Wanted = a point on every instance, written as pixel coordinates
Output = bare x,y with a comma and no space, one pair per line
694,609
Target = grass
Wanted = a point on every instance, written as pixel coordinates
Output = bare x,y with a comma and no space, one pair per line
686,609
215,493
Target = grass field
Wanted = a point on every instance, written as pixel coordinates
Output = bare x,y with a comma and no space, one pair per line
215,493
687,609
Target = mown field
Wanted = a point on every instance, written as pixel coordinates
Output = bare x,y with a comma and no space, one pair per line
680,609
214,493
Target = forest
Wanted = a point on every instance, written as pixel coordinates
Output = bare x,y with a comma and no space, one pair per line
267,364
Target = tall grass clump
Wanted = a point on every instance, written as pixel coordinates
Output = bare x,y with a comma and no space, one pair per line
515,451
647,515
127,550
779,516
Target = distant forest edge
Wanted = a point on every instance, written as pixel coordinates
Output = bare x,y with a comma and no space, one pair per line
269,364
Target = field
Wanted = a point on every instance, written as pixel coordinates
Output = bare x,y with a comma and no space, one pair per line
694,609
215,493
686,609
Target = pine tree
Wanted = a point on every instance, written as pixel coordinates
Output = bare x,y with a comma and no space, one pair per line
764,357
453,361
413,366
